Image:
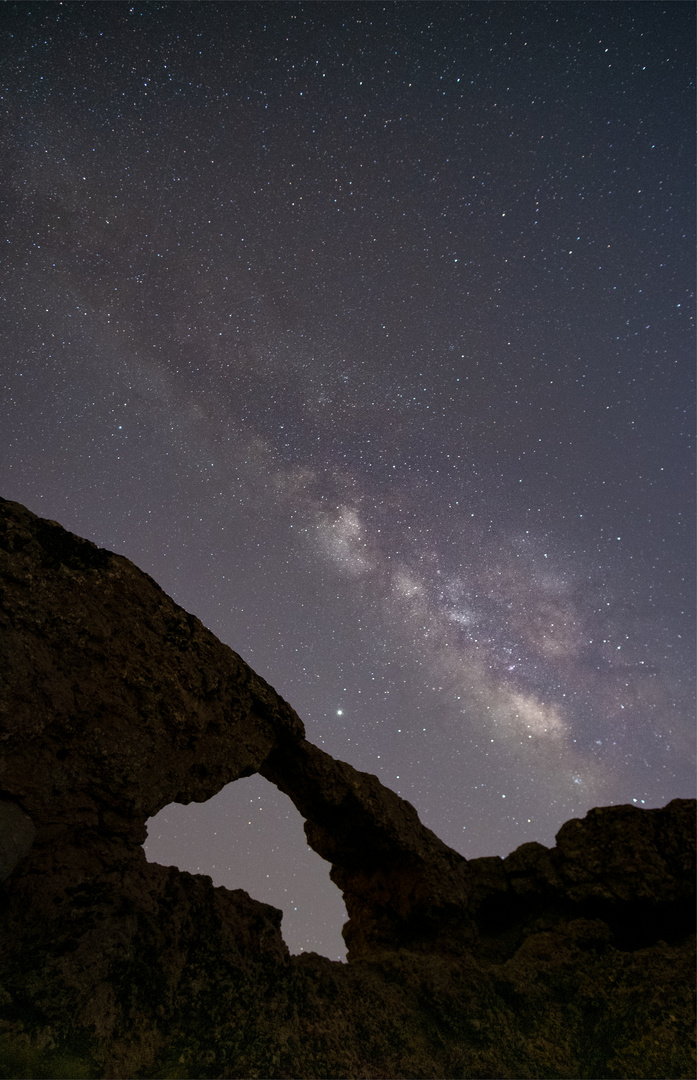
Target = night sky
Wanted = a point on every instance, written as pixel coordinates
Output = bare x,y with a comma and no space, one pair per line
367,330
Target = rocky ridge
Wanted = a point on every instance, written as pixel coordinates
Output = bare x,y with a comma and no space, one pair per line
575,961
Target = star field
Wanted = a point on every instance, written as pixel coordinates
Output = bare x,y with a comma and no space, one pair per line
367,330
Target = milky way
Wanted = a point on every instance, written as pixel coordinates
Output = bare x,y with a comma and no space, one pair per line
367,331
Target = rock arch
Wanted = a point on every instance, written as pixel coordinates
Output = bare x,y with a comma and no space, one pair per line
114,702
118,702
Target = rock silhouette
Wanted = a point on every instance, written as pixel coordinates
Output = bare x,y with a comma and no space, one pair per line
575,961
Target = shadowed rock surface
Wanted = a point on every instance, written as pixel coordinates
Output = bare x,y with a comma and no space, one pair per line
576,961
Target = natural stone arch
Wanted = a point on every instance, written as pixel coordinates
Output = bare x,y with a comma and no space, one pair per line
114,702
119,703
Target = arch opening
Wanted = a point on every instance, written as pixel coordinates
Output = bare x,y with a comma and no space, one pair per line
250,836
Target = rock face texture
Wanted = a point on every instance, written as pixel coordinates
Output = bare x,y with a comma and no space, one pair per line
576,961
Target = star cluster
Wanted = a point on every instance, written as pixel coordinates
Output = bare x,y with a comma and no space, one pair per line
367,330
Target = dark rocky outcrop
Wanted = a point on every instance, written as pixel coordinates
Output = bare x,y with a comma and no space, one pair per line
572,962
